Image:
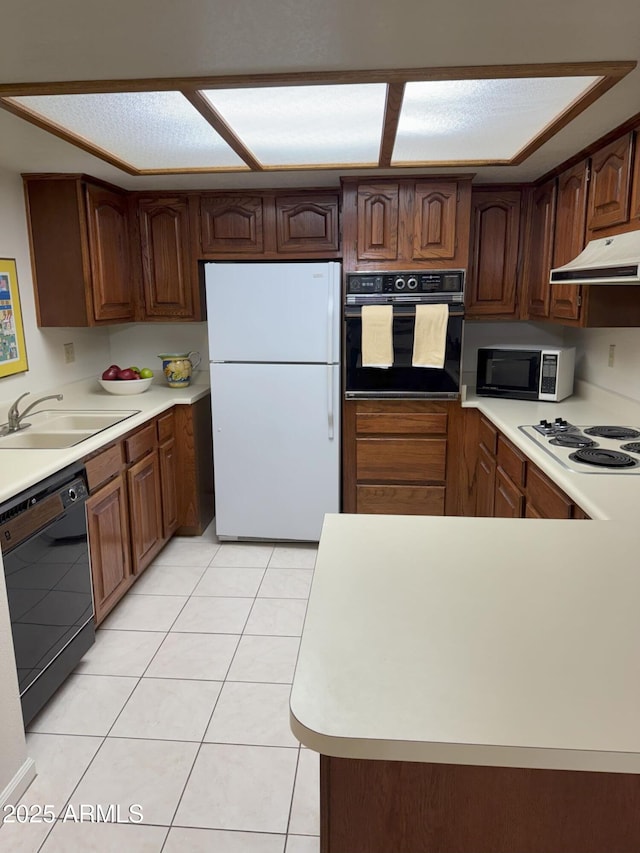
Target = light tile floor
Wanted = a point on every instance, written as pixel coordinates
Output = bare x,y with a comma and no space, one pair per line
182,707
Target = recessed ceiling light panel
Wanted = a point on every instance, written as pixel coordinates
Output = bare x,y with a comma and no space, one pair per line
474,120
148,130
297,125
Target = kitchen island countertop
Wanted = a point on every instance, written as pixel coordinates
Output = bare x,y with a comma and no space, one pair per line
495,642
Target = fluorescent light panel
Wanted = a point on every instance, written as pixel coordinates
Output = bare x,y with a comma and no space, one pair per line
298,125
458,120
147,130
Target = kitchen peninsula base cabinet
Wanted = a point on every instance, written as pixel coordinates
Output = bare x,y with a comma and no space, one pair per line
397,456
410,807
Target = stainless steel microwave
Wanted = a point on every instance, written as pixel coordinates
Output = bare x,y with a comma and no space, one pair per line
532,373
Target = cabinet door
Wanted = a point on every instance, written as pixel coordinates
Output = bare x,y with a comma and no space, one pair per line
609,187
232,225
541,250
493,273
145,508
571,219
167,271
109,255
508,499
307,225
634,212
486,483
108,528
377,222
168,485
434,220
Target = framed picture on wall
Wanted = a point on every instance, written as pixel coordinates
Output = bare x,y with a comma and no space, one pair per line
13,352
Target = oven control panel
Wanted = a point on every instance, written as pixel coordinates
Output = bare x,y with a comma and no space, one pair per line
447,283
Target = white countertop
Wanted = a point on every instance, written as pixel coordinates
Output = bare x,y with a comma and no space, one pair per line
602,496
20,469
473,641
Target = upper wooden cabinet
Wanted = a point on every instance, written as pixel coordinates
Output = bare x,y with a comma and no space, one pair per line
609,189
540,250
170,281
634,213
79,235
406,223
492,282
270,225
570,227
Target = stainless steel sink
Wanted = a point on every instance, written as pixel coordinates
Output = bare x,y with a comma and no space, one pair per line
53,429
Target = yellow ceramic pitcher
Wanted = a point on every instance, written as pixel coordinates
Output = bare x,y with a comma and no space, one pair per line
178,367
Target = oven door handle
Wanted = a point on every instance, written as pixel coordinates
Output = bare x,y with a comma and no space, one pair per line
351,311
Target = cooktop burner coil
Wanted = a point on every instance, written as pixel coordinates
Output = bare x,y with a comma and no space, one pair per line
613,432
572,439
631,446
603,458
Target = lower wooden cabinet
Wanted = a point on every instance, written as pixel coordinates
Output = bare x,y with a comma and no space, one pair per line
509,485
396,456
135,502
108,529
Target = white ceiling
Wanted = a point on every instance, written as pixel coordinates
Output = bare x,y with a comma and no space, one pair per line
78,40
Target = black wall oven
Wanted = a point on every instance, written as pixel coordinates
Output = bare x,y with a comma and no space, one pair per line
403,291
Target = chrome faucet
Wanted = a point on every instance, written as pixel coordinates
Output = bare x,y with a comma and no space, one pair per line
15,418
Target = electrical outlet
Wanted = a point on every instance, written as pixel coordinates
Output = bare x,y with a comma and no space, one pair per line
612,355
69,353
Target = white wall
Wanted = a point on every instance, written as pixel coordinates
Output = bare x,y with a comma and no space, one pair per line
141,343
592,353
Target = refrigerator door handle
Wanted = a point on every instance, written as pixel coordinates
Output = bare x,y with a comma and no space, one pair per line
330,312
330,413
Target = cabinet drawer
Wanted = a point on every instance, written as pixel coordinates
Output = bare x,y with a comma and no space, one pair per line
166,426
433,423
141,443
103,467
402,460
488,436
401,500
548,499
512,461
509,500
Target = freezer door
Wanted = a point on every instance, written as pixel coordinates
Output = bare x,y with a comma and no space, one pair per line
273,312
276,443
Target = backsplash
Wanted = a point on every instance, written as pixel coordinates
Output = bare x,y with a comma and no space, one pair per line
141,343
592,358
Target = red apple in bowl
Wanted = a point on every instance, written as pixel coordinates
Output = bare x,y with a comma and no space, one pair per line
111,373
127,373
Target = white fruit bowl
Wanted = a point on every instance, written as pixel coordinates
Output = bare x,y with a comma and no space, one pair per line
125,386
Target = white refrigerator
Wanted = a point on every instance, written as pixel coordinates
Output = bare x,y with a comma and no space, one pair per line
274,345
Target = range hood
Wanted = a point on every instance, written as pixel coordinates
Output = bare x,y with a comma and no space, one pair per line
610,260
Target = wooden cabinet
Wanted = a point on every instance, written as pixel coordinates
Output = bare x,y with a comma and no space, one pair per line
569,239
492,282
540,250
270,225
137,500
634,212
108,531
170,281
395,456
79,235
509,485
609,190
406,223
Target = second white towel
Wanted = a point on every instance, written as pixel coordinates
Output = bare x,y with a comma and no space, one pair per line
430,335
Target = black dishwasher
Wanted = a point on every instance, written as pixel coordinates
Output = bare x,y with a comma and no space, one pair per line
43,532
